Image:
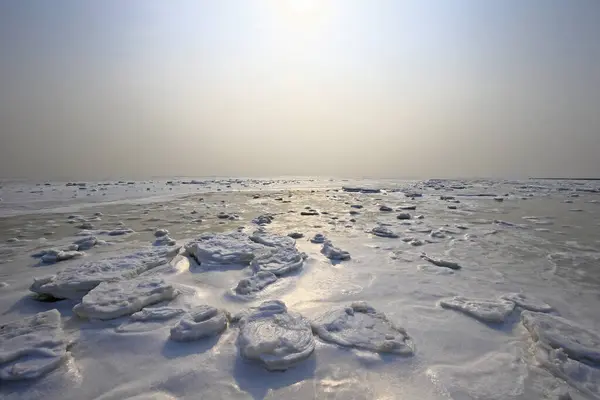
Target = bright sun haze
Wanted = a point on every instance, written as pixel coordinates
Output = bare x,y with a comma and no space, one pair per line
381,88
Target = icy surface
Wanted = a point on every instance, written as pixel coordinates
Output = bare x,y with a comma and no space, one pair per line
334,253
202,322
111,300
527,302
75,282
362,327
274,337
31,347
481,309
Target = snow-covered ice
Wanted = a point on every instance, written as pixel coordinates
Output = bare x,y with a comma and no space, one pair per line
218,249
201,322
33,346
527,302
111,300
482,309
362,327
274,337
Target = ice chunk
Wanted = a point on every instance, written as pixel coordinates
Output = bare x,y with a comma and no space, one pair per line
441,263
318,238
362,327
296,235
160,233
120,232
255,283
383,232
407,207
74,282
385,208
32,346
403,216
149,319
271,240
274,337
309,213
481,309
53,255
334,253
263,219
280,261
234,248
111,300
165,241
578,342
86,243
202,322
527,302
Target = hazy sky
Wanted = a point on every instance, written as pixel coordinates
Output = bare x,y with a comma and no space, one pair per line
139,88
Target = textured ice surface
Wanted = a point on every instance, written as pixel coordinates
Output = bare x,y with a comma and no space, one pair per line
218,249
334,253
255,283
441,263
272,240
31,347
577,342
274,337
201,322
111,300
74,282
149,319
527,302
481,309
361,326
382,231
279,261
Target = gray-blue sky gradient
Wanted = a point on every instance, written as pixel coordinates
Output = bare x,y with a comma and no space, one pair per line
138,88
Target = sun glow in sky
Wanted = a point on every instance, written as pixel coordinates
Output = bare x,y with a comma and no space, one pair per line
302,87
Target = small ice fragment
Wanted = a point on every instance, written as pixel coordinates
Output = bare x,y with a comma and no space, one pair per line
296,235
334,253
441,263
403,216
383,232
385,208
160,233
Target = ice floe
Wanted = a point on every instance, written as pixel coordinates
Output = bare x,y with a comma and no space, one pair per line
382,231
334,253
271,240
274,337
279,260
54,255
362,327
201,322
76,281
218,249
482,309
527,302
111,300
31,347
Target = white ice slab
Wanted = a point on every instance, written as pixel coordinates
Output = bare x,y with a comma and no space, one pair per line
481,309
527,302
218,249
202,322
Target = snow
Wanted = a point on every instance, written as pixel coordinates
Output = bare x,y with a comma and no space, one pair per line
527,302
75,282
334,253
274,337
33,346
255,283
219,249
201,322
362,327
494,311
111,300
578,342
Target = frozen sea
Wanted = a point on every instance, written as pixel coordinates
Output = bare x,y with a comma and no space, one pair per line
434,289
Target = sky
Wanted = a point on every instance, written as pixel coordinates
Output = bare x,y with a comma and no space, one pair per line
347,88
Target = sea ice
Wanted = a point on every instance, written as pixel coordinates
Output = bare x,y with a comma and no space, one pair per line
201,322
441,263
263,219
274,337
383,232
86,243
217,249
120,232
271,240
527,302
318,238
255,283
279,260
53,255
149,319
161,232
407,207
296,235
334,253
577,342
31,347
481,309
362,327
111,300
74,282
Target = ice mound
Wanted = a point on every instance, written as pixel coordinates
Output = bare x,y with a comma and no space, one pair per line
441,263
481,309
271,240
74,282
202,322
149,319
274,337
279,260
54,255
362,327
255,283
160,233
579,375
111,300
165,240
32,346
527,302
334,253
234,248
318,238
383,232
263,219
576,341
